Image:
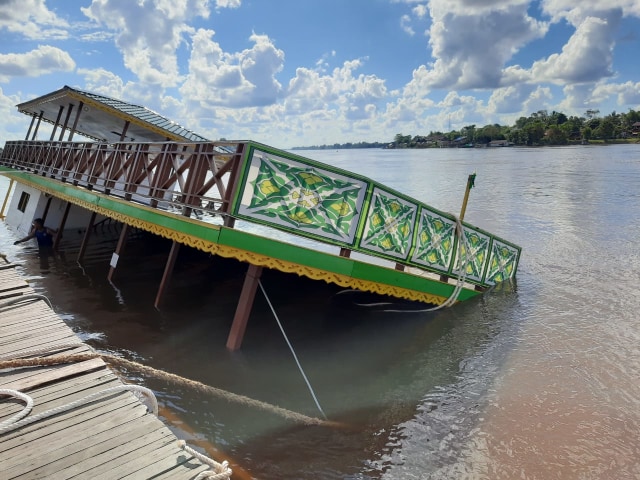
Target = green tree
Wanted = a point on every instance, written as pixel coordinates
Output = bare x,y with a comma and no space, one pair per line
555,135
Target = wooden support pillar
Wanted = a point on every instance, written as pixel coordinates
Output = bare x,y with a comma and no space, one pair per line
87,235
245,304
46,209
56,242
168,272
345,252
399,267
123,135
33,120
35,132
6,198
119,248
75,122
55,125
66,121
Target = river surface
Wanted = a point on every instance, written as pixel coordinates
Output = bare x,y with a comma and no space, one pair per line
537,379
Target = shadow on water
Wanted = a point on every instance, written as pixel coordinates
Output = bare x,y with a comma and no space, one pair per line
377,373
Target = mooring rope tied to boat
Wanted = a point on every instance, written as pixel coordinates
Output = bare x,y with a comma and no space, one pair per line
295,357
461,276
13,362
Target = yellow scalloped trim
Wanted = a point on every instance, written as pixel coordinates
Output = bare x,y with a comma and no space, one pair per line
245,255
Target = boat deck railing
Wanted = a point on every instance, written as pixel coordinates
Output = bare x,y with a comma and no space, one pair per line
273,190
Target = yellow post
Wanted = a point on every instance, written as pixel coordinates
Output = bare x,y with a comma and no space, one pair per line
6,199
470,183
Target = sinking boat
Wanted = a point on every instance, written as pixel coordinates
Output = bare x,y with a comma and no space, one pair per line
241,199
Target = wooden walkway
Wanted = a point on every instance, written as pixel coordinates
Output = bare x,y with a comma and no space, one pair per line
112,437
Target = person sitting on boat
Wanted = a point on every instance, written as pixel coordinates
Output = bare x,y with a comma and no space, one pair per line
44,235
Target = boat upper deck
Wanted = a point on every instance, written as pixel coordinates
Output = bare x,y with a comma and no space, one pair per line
270,208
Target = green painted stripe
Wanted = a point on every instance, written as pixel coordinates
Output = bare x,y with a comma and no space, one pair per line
207,232
252,243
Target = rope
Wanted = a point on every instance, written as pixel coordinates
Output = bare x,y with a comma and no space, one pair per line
17,421
295,357
221,471
160,374
22,298
22,413
462,274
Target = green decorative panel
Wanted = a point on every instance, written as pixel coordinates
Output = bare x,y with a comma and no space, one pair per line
388,229
502,262
477,255
300,197
435,241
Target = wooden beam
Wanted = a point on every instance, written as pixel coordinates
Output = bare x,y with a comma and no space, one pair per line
119,249
55,125
35,132
243,310
33,120
46,209
75,122
6,198
168,272
56,242
66,121
87,235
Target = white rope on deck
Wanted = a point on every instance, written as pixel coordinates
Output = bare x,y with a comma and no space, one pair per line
17,421
22,298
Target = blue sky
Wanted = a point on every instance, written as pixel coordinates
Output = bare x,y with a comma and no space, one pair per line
307,72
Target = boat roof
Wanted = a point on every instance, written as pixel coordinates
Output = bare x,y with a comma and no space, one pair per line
103,118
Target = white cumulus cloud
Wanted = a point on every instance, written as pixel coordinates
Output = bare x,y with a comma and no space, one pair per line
246,78
31,19
41,61
148,33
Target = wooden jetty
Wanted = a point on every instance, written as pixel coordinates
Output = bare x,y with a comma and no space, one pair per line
111,437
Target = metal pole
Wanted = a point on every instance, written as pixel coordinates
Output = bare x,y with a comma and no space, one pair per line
470,183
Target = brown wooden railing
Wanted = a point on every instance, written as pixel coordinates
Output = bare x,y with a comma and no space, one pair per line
184,176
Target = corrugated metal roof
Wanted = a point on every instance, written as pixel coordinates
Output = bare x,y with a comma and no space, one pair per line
103,118
145,115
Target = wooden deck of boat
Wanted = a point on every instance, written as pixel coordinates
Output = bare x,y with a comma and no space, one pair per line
111,437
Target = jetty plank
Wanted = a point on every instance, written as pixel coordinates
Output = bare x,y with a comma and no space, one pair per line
113,436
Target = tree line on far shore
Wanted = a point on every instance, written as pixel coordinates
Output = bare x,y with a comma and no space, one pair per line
539,128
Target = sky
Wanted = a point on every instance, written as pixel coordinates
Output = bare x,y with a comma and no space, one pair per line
311,72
